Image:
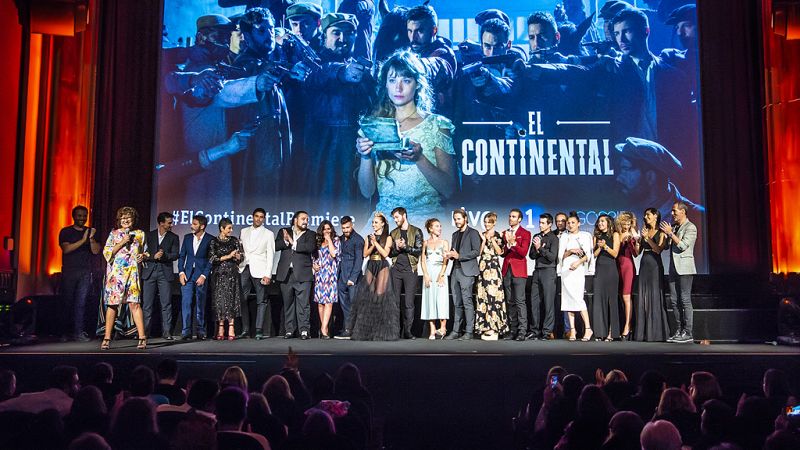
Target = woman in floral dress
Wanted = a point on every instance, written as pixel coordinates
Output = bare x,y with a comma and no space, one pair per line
326,267
490,313
123,253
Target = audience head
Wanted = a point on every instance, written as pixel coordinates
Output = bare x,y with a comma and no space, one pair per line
66,379
783,440
231,407
572,386
257,405
716,419
776,384
134,419
625,425
555,371
8,383
195,432
277,389
652,383
167,370
594,404
615,376
322,388
318,425
234,376
348,378
143,381
102,373
89,441
660,435
704,386
673,400
201,394
88,402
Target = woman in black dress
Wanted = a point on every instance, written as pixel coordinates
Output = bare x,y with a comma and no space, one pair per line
605,302
376,310
651,311
224,253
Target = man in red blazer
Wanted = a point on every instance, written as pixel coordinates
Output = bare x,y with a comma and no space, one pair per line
516,241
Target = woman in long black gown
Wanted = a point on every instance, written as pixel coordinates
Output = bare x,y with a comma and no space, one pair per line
224,254
605,301
651,311
376,311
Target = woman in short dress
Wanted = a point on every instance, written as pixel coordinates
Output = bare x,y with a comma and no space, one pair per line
435,296
573,262
224,253
490,312
326,265
629,249
123,253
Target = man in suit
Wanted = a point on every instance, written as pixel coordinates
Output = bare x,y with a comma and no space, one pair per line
352,252
296,245
256,273
464,253
193,270
543,286
161,249
682,235
516,241
405,254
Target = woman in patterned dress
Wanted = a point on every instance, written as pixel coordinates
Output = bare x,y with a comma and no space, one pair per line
123,253
422,174
326,266
490,313
435,296
224,254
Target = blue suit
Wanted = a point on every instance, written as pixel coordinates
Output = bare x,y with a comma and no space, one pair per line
352,252
194,265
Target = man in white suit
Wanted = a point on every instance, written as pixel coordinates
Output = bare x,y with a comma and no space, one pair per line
681,236
256,272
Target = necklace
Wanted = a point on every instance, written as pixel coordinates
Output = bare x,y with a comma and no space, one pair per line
400,122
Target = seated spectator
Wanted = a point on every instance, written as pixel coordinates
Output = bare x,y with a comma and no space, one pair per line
648,395
134,426
8,384
677,407
194,432
234,377
64,384
704,386
322,388
716,422
102,377
88,414
755,420
348,386
616,386
231,409
143,384
282,403
302,396
557,411
319,433
782,440
46,431
262,421
89,441
777,389
167,375
624,430
660,435
199,400
590,427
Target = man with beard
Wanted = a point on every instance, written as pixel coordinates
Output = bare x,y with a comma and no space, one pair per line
364,10
405,254
296,245
337,95
78,244
435,51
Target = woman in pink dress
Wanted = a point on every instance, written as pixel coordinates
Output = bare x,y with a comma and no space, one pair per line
629,249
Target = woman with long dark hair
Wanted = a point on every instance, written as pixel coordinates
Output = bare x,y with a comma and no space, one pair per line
423,173
376,311
326,265
123,253
605,302
651,311
224,253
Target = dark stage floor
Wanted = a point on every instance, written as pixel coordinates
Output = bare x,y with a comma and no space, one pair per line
442,394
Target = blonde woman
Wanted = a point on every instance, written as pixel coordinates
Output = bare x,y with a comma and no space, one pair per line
491,320
629,249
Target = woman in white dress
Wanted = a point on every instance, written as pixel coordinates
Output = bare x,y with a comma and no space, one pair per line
435,301
572,265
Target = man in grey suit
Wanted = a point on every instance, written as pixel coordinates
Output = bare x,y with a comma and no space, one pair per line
466,247
682,235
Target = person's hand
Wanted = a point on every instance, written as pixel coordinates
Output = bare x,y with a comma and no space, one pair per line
453,254
400,244
551,393
372,240
182,279
353,72
511,238
315,267
266,281
440,280
574,265
139,258
601,243
350,283
200,281
426,280
292,360
364,147
209,80
238,142
328,239
92,232
480,78
537,242
287,237
125,238
232,254
300,71
665,227
411,154
266,80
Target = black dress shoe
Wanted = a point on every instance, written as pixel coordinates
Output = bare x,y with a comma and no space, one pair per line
304,335
186,337
452,336
520,337
201,337
168,337
288,335
466,337
408,335
508,337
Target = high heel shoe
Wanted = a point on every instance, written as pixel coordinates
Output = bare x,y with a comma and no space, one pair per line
106,344
572,335
142,344
625,337
440,333
231,337
587,335
433,336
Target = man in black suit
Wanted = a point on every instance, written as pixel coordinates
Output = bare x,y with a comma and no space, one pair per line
464,254
544,250
161,249
296,245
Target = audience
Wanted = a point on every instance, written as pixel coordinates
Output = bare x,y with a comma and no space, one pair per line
143,384
234,377
167,374
8,384
262,421
677,407
624,430
64,384
660,435
704,386
134,427
102,377
231,411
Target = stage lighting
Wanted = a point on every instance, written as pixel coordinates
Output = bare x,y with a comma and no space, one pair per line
788,321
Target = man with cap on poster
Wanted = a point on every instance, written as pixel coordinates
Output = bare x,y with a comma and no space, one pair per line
336,96
646,174
305,19
684,21
365,11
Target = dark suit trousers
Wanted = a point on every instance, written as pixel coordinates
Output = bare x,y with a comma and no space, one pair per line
515,302
461,287
347,295
157,281
262,303
75,287
543,289
680,298
296,309
406,282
